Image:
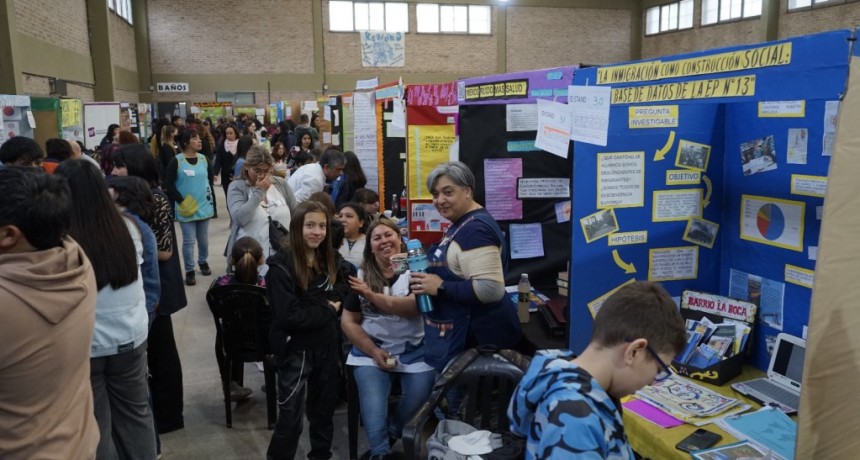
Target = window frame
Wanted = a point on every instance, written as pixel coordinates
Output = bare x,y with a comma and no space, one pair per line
122,8
667,7
719,10
385,13
467,19
814,4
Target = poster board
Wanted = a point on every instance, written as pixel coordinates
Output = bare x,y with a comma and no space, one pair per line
391,142
720,127
97,117
431,114
525,188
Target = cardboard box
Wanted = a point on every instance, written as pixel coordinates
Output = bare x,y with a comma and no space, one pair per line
695,305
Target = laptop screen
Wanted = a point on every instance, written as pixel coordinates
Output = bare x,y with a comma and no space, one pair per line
789,360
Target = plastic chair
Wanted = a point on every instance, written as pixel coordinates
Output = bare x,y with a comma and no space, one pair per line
486,379
242,317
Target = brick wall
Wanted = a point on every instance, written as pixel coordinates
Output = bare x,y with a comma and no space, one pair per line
792,24
36,86
702,38
550,37
126,96
262,97
226,36
122,50
84,93
425,53
58,22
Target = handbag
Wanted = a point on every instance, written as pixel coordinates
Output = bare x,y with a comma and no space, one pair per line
277,235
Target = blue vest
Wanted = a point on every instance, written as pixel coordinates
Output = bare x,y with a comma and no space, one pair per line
192,182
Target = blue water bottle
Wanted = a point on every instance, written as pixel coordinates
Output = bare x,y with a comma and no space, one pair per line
418,263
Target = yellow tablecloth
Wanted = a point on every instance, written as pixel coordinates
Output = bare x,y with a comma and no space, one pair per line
651,441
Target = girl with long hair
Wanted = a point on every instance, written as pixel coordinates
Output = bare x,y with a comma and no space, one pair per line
306,285
113,243
246,258
167,149
353,178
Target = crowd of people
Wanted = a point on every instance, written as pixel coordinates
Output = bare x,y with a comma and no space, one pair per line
302,224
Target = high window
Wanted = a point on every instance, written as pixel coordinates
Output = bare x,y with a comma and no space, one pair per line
797,4
669,17
434,18
352,16
122,8
714,11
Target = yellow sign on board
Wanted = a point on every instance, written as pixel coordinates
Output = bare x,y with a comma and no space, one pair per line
653,116
70,112
428,146
753,58
741,86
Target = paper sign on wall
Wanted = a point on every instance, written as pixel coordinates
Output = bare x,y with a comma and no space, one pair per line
521,117
679,263
620,179
589,110
500,185
543,187
553,131
526,241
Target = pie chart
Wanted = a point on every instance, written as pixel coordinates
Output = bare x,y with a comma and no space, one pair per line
770,221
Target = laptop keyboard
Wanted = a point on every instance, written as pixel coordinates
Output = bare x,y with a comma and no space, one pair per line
774,392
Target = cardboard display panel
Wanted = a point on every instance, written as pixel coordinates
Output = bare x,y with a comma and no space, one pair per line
712,179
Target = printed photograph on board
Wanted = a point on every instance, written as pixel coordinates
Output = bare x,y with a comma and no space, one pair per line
692,155
702,232
599,224
758,155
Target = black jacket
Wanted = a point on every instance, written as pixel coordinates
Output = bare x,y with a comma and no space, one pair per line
302,318
224,163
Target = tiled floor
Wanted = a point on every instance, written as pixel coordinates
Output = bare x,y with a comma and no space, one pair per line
205,435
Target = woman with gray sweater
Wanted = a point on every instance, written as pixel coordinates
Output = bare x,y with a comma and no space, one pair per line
257,196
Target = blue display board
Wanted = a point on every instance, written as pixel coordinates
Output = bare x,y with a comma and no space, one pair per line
712,179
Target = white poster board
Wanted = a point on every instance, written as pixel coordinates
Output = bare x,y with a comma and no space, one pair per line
97,118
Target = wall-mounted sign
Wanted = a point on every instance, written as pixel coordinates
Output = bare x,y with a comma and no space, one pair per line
171,87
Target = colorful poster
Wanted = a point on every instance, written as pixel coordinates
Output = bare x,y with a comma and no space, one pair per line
425,218
383,49
553,130
526,241
500,187
589,110
428,146
444,94
620,179
772,221
768,295
365,147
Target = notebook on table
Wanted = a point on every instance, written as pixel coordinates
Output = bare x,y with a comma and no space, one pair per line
781,387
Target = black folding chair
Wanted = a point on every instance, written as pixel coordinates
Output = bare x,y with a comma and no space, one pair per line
242,317
486,379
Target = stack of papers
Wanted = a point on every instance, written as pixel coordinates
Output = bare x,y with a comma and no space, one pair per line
769,429
687,401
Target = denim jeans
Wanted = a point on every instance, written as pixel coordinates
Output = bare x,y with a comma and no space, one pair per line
121,405
199,230
311,372
374,387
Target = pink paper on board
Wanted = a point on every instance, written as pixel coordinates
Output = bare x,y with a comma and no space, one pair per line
651,413
500,187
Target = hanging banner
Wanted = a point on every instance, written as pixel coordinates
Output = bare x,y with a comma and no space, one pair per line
365,136
382,49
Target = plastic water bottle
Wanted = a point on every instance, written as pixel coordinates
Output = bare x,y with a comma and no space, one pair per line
418,263
395,210
403,207
523,291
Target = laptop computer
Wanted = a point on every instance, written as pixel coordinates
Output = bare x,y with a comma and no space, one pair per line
781,387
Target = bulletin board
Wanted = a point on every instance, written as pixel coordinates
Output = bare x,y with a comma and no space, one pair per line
15,114
391,141
431,114
712,179
526,189
97,117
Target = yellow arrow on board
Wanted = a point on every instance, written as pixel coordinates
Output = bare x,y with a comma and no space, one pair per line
708,190
628,268
661,154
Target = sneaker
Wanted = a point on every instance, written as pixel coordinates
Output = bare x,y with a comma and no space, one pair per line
190,279
239,393
204,269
